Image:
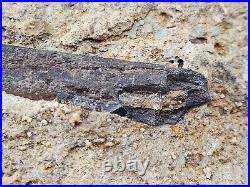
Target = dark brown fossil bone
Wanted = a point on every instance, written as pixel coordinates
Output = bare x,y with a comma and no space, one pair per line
150,93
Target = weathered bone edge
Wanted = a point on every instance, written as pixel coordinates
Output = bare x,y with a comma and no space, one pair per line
97,83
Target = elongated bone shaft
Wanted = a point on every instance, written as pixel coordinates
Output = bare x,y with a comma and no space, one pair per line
104,84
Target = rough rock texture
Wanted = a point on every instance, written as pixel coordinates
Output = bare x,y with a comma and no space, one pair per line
46,142
104,84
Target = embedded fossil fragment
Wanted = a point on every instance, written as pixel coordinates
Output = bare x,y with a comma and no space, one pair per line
158,101
150,93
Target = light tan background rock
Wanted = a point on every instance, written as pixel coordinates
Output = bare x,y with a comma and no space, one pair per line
40,145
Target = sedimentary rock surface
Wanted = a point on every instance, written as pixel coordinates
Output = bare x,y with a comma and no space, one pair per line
51,142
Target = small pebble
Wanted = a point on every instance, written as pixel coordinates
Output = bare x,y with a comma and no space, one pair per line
234,140
209,153
29,134
38,117
141,22
22,148
99,140
109,120
47,144
222,96
110,138
75,119
88,143
142,129
84,113
44,122
4,111
207,172
174,156
27,119
186,154
65,109
109,144
238,104
124,135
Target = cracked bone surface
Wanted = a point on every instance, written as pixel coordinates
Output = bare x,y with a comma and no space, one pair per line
150,93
